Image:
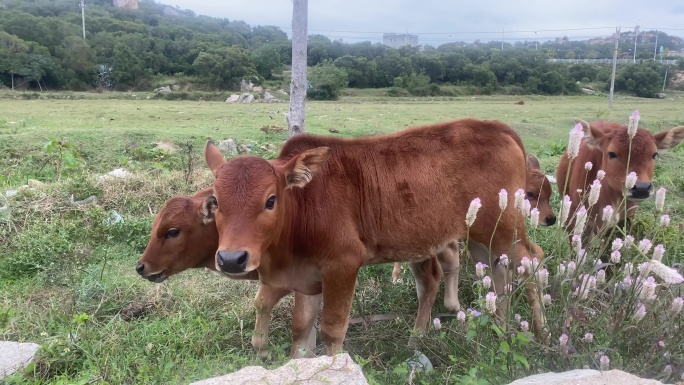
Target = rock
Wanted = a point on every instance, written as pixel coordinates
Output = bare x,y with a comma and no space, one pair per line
228,146
15,356
175,87
114,218
585,377
419,362
11,193
84,202
163,90
247,99
282,91
246,85
661,95
167,146
268,96
587,90
257,88
339,369
118,173
233,98
35,183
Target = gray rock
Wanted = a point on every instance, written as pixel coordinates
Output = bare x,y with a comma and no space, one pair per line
175,87
246,85
228,146
15,356
118,173
233,98
248,98
585,377
661,95
170,11
163,90
335,370
268,96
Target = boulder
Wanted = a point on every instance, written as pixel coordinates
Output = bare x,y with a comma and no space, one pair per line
15,356
248,98
585,377
175,87
228,146
170,11
233,98
661,95
339,369
163,90
268,96
127,4
246,85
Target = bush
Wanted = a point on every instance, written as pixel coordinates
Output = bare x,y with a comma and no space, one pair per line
326,81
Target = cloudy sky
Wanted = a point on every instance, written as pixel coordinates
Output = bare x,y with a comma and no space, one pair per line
437,22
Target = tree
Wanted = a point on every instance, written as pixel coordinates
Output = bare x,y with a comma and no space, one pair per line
266,59
295,116
326,81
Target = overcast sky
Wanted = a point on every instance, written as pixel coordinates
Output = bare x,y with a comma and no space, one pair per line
437,22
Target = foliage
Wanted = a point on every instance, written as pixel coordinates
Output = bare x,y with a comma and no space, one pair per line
326,81
643,81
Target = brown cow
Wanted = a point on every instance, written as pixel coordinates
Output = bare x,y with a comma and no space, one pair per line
537,190
310,219
606,146
181,239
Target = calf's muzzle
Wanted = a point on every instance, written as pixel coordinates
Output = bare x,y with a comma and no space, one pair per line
641,190
232,262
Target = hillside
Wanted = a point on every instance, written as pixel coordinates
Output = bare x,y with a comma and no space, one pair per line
137,44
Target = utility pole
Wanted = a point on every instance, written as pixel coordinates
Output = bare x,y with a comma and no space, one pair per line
636,36
503,31
665,79
295,117
83,16
612,77
655,49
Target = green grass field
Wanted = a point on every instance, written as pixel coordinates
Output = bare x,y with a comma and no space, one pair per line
62,271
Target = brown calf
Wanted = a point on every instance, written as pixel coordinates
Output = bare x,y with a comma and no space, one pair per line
310,219
607,146
181,239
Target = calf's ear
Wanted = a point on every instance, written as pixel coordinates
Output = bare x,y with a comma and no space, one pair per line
670,138
214,158
532,162
300,169
592,136
208,209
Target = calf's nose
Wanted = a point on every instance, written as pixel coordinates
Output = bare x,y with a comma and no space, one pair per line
550,220
140,268
641,190
232,262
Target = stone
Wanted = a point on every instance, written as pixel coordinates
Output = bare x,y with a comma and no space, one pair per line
335,370
233,98
246,85
228,146
661,95
166,146
585,377
118,173
257,88
248,99
268,96
163,90
169,11
15,356
175,87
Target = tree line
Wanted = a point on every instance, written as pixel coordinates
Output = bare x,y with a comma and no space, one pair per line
41,45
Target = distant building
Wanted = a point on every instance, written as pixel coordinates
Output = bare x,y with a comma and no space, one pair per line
396,40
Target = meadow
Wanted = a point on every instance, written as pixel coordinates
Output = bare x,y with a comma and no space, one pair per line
67,278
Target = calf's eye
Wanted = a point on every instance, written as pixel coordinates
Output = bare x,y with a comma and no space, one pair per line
612,155
270,202
172,233
655,155
530,194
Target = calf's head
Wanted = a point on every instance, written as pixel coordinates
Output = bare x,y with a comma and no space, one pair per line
181,239
538,191
249,203
617,160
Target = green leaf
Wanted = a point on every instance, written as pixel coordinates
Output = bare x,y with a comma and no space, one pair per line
505,347
517,357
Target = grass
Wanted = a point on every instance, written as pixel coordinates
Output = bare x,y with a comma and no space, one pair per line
64,271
